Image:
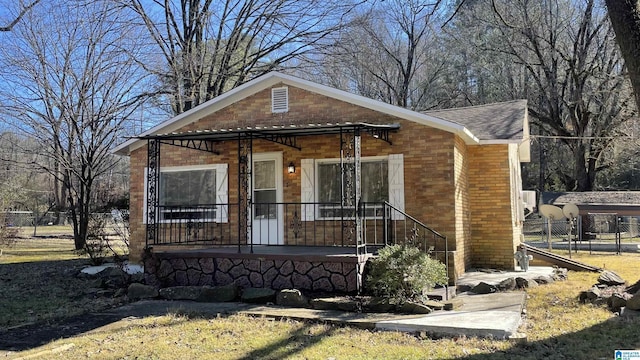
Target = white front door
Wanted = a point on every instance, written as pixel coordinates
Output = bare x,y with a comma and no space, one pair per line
267,223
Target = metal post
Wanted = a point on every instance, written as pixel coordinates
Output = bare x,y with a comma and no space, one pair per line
245,150
357,196
153,188
548,233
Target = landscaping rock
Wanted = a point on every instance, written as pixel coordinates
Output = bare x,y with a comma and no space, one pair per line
617,301
435,305
633,288
138,291
292,298
258,295
507,284
523,283
453,304
590,295
224,293
120,292
484,288
559,274
543,280
625,312
633,303
335,303
610,278
180,293
414,308
378,305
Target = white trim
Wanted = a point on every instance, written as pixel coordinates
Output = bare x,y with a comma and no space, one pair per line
274,78
277,156
396,184
307,189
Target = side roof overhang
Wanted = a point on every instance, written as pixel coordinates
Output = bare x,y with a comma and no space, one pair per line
275,78
497,123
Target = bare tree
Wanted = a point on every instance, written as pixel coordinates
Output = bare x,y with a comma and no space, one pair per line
579,95
390,53
208,47
625,18
71,83
23,10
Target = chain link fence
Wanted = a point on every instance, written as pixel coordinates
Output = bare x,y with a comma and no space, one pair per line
601,228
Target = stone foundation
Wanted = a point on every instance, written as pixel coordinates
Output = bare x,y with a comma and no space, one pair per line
321,274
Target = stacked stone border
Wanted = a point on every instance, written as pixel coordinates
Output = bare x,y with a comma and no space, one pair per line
334,274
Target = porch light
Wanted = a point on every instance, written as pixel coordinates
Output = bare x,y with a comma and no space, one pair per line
291,168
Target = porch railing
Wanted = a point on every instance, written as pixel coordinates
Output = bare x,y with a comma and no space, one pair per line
301,224
402,228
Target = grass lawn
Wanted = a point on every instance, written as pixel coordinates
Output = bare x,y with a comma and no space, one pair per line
557,326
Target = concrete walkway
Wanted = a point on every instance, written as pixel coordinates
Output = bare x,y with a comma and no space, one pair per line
496,315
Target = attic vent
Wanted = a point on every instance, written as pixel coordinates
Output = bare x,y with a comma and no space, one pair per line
280,100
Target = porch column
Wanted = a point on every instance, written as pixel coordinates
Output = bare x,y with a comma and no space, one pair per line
350,154
360,246
153,188
245,188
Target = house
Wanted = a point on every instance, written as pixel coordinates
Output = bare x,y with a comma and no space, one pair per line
283,182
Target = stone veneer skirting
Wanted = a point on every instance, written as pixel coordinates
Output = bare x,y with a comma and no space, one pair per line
312,273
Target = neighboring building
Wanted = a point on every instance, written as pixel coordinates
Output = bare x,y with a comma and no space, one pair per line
601,211
622,203
272,163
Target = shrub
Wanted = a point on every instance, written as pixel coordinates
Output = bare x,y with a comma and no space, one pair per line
403,273
108,236
8,233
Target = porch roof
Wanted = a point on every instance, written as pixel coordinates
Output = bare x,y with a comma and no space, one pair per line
292,130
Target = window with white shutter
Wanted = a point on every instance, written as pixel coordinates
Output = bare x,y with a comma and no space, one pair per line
382,180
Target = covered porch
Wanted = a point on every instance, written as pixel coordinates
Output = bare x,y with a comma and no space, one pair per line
261,239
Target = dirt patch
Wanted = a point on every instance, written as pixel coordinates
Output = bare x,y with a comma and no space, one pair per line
42,301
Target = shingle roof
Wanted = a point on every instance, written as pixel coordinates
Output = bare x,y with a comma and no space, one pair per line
592,198
497,121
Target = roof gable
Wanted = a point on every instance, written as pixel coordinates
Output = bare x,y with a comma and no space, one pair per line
275,78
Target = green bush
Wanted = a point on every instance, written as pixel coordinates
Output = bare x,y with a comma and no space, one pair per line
403,273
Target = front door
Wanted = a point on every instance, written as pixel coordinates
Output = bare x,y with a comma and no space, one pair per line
267,224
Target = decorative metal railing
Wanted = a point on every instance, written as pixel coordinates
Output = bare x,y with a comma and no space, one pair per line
400,228
301,224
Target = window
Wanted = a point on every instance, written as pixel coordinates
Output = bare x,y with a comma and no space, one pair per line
192,193
382,180
374,190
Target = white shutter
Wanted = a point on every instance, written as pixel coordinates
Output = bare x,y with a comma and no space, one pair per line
396,184
222,193
307,191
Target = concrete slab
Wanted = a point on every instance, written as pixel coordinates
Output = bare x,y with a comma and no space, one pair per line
495,315
359,320
492,324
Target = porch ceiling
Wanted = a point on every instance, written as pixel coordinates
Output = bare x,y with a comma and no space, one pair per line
278,131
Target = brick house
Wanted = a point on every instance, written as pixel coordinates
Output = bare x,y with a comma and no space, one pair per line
284,182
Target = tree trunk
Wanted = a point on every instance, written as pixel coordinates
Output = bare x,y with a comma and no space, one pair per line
625,19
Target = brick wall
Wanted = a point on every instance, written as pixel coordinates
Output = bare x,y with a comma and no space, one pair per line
462,208
440,169
493,240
